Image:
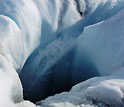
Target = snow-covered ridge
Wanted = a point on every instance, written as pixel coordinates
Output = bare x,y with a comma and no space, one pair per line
29,24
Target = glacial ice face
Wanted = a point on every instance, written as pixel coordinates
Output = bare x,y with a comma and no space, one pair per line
45,64
45,31
107,51
103,43
98,10
18,34
22,26
54,44
22,29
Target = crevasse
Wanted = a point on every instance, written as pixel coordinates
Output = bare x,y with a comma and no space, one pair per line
42,33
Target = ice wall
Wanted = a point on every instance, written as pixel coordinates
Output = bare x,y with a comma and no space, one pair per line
22,30
58,39
103,44
45,31
19,36
54,44
24,25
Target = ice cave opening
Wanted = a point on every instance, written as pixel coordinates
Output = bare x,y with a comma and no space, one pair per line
60,77
57,67
55,44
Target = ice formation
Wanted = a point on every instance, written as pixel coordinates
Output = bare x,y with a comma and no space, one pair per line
107,55
53,60
39,37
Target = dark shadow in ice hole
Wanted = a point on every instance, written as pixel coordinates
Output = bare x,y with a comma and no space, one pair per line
59,78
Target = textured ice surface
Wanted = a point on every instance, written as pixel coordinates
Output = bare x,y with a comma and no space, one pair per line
52,60
46,31
17,41
103,43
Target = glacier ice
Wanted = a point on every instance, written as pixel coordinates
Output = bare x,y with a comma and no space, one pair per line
38,35
22,25
45,64
50,51
15,28
107,54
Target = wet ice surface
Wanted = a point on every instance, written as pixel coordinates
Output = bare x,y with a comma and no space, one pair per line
44,42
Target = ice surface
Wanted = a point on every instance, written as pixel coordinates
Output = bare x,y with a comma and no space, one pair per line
22,26
22,29
98,10
103,43
45,64
55,43
19,36
46,31
106,53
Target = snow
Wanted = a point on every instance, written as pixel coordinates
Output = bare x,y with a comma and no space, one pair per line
25,104
94,92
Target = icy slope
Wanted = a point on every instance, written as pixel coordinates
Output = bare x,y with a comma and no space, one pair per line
22,30
54,44
103,43
45,64
22,26
45,30
15,28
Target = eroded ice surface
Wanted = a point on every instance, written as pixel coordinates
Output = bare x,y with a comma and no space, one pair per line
46,31
103,43
45,64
